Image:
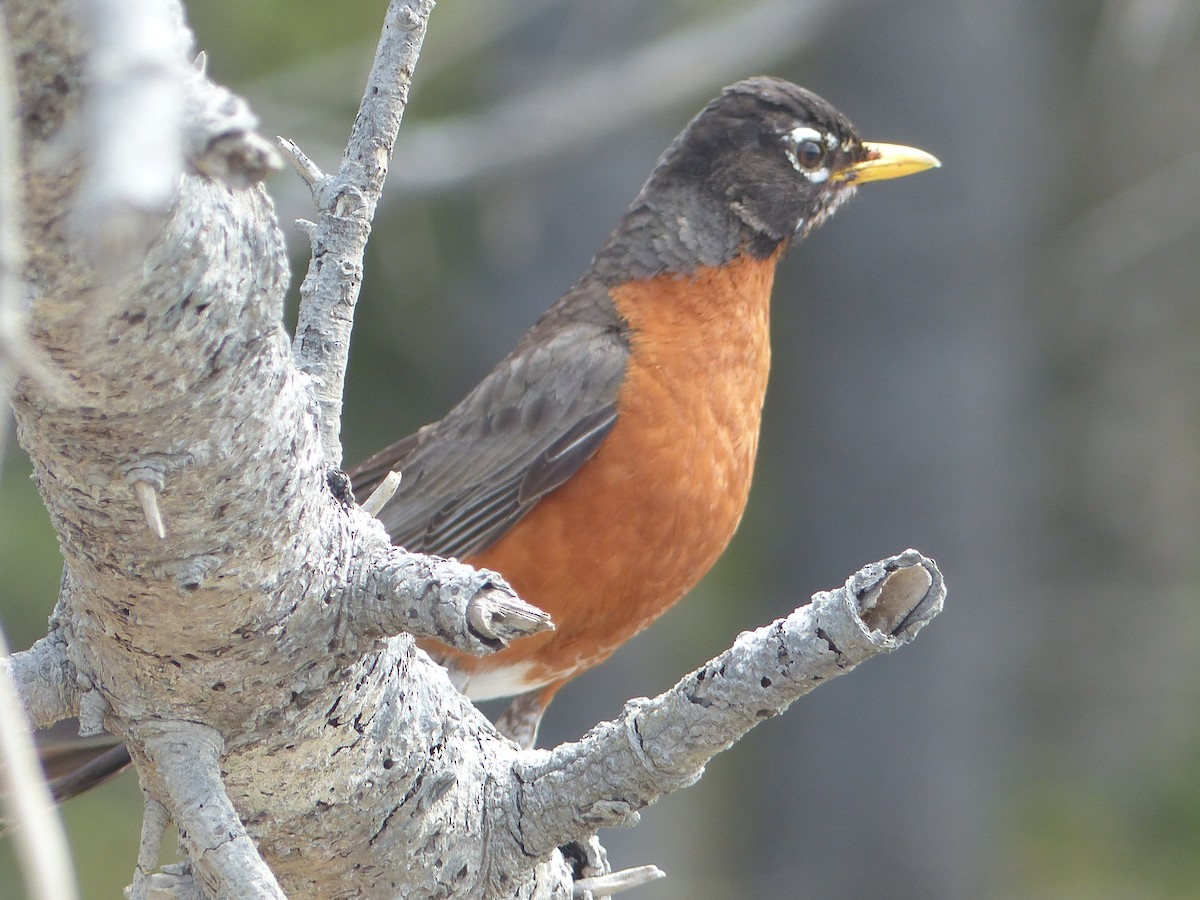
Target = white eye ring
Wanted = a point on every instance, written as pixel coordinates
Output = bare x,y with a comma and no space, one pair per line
807,150
804,133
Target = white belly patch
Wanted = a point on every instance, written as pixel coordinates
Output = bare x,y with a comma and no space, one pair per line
488,684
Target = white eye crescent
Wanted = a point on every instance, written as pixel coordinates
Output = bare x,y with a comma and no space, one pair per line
808,151
804,133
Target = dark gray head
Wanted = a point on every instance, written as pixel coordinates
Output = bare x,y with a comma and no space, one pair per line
760,166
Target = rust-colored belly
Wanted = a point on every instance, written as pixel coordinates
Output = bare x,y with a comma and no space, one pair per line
648,515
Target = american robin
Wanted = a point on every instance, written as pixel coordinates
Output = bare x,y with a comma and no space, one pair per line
604,464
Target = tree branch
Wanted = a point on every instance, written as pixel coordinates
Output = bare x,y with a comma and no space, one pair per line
187,756
347,203
45,679
473,610
659,746
237,649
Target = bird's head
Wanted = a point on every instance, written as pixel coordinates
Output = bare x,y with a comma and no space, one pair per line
779,158
758,168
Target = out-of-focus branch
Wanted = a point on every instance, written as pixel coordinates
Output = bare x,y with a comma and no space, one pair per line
616,93
46,860
323,74
526,129
134,75
1129,225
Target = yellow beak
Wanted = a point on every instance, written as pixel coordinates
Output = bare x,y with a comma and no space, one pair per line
887,161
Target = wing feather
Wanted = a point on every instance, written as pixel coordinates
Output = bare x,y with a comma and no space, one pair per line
524,430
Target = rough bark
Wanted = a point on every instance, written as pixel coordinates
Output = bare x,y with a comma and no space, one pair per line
225,609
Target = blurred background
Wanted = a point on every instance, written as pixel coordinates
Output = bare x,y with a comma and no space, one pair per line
995,363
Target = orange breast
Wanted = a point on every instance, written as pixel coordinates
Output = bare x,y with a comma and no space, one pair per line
642,521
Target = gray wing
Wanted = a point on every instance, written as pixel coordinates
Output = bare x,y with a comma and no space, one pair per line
524,430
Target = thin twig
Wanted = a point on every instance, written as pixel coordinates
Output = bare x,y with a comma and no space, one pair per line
382,494
617,882
308,170
347,202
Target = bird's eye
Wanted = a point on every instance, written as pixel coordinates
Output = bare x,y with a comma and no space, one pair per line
810,154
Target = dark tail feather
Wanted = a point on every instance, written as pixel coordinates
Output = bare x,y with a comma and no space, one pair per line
96,770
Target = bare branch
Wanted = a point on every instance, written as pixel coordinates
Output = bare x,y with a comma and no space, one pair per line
308,170
184,757
661,745
45,680
617,882
472,609
155,820
347,202
382,494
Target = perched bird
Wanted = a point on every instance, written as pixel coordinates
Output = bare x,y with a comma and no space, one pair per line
604,464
